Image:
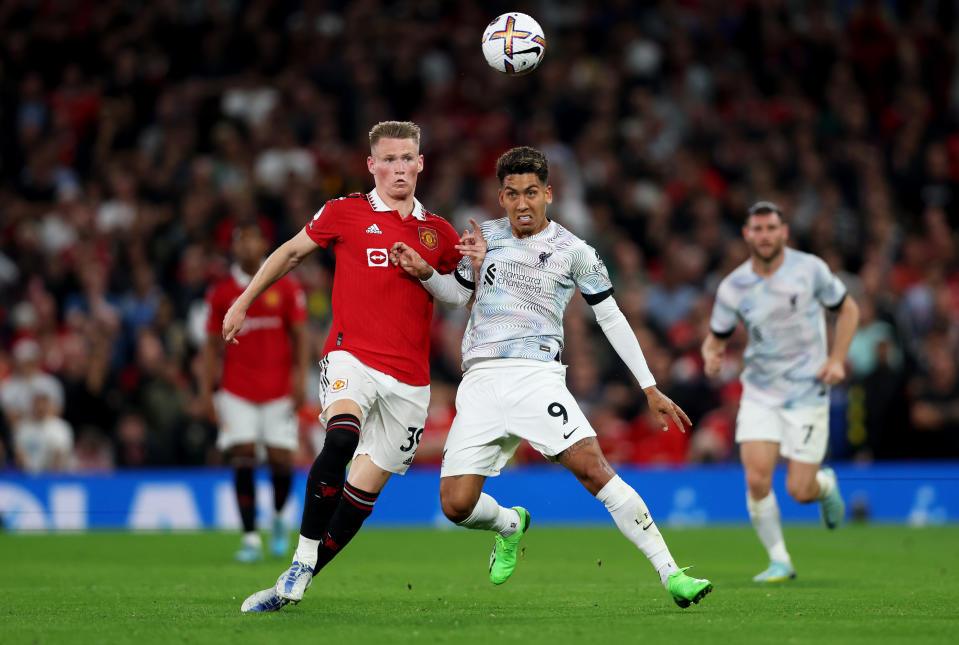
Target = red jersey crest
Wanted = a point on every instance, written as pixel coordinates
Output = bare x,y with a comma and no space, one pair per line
428,237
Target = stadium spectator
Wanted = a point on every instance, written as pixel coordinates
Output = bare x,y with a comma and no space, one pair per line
42,441
27,382
935,409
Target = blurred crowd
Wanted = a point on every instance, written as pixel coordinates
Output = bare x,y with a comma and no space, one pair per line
134,135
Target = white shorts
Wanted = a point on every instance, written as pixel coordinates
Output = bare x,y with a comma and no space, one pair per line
394,413
272,423
502,401
802,433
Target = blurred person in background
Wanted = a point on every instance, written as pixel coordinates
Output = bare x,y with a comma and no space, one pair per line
42,441
261,384
780,295
26,382
934,411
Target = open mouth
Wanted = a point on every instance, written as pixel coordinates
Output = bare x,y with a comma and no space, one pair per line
524,219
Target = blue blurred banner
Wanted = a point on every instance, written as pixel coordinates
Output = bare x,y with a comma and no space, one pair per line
915,493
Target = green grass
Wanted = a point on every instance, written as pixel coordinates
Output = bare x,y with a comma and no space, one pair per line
861,584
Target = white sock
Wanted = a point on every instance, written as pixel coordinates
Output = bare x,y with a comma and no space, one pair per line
306,551
826,483
488,514
764,514
631,515
252,539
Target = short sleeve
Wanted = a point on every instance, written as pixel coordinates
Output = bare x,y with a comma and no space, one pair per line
590,275
450,257
827,288
322,228
723,321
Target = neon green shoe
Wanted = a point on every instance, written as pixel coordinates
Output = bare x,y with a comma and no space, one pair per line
502,560
686,590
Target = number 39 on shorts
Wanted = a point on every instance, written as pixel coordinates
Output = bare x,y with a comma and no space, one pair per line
413,440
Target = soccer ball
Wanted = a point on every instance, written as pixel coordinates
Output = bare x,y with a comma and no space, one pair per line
514,44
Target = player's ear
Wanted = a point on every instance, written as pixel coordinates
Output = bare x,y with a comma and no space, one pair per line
549,194
502,199
369,164
419,164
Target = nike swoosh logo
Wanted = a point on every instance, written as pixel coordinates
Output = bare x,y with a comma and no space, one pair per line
531,50
648,525
567,436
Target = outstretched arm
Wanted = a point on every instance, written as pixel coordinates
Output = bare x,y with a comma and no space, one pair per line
620,335
278,264
834,370
445,288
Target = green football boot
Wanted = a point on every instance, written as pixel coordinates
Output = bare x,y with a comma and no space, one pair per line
502,560
686,590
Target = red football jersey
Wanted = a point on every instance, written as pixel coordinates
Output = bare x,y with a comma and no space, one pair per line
381,314
260,367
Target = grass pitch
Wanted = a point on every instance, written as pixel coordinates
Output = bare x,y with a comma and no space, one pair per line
861,584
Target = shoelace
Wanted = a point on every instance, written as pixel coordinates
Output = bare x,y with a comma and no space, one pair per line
298,568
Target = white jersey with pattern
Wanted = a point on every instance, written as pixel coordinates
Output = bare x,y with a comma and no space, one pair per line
523,289
784,318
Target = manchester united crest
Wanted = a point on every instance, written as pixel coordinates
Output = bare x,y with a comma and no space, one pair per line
429,237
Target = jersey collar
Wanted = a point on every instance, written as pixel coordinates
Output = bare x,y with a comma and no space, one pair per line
380,206
239,275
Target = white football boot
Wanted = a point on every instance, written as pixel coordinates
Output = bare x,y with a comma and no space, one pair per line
293,583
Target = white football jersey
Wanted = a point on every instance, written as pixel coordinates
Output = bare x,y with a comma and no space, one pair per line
783,316
523,288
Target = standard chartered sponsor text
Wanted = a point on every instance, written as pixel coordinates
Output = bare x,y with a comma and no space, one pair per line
510,278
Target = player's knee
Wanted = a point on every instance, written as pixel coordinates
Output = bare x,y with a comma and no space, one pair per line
281,466
802,491
340,442
758,484
243,456
457,506
280,460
